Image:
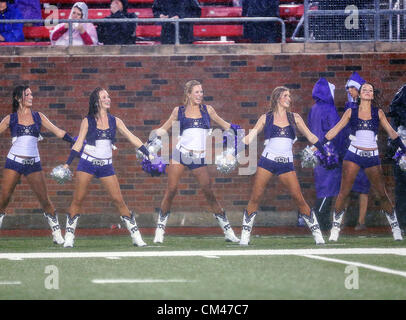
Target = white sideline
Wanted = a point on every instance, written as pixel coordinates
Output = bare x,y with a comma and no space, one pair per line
202,253
9,282
115,281
359,264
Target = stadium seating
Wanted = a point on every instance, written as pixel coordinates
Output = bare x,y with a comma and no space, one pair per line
129,1
290,11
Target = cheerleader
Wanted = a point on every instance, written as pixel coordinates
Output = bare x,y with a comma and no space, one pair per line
194,119
24,159
363,154
361,183
99,130
277,160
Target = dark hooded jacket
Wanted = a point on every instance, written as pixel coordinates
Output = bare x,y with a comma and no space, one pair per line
182,9
260,31
118,33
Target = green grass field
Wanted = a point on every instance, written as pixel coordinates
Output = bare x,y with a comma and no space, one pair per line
203,268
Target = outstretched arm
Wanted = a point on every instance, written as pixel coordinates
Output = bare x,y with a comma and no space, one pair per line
4,124
168,124
77,146
217,119
54,129
51,127
386,125
397,142
259,126
126,133
340,125
312,138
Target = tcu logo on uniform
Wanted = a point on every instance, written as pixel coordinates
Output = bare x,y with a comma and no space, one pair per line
98,162
281,159
28,161
365,154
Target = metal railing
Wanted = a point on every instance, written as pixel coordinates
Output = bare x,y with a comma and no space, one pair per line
380,23
50,23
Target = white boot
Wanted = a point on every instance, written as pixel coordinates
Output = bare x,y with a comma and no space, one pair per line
55,227
71,224
335,230
160,227
394,224
247,224
226,227
314,227
2,215
133,229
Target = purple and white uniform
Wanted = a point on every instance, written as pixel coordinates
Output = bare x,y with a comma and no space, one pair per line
23,156
364,134
96,158
277,156
191,147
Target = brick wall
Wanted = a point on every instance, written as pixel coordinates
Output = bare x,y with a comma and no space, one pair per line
144,90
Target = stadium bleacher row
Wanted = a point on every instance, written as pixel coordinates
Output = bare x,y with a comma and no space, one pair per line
290,12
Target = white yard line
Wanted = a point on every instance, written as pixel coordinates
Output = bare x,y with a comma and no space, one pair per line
202,253
10,282
359,264
118,281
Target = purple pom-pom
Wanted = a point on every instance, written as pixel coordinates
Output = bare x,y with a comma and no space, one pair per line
329,159
154,167
398,155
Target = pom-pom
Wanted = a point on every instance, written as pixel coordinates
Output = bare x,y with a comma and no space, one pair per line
154,167
61,174
402,133
153,146
227,161
329,159
400,158
235,134
308,158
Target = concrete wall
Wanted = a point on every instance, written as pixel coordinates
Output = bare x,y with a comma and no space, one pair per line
146,83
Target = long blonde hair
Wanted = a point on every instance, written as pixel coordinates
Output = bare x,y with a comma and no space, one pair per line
275,95
188,90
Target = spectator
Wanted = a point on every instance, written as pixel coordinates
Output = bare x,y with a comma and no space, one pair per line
176,9
10,32
322,117
117,33
30,9
83,33
260,31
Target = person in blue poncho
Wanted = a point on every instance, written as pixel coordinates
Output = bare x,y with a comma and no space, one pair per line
322,117
361,184
10,32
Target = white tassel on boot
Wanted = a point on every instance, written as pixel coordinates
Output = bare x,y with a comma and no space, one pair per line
226,227
160,227
314,227
71,224
394,224
55,227
133,229
247,224
335,230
